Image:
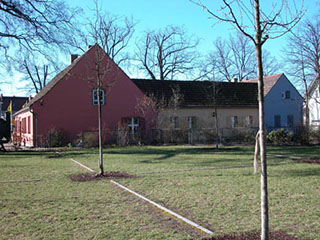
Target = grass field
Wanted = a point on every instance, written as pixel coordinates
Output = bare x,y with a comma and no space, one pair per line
39,201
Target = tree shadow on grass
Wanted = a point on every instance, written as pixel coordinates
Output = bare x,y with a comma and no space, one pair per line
14,166
46,154
306,172
167,152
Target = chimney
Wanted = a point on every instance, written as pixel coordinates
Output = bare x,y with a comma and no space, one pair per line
89,46
73,57
234,80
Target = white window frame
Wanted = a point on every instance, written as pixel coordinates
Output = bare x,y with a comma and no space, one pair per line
95,97
191,122
249,121
234,121
175,122
133,125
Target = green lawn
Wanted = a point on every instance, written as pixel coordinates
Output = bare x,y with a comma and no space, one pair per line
191,180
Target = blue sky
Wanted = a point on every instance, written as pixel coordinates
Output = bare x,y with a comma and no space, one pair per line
156,14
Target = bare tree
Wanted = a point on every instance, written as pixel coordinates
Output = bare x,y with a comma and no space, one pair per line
223,60
37,71
303,53
33,26
39,79
235,58
300,67
258,26
166,53
270,64
100,65
112,33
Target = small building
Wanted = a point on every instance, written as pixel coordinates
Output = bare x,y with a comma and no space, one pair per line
8,106
195,111
68,104
16,104
283,103
314,103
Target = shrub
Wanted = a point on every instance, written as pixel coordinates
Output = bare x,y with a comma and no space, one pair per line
90,139
315,135
122,134
244,137
302,135
57,138
280,137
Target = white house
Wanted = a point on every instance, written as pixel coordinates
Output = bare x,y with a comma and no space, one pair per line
283,103
314,103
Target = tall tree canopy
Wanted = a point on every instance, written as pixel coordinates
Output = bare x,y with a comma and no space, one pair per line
113,33
235,58
166,53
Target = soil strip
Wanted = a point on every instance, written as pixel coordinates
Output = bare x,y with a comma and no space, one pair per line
273,235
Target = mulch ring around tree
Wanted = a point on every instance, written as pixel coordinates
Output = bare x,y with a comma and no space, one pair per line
86,177
275,235
311,160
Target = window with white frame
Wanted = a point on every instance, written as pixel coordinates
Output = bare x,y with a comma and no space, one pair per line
234,122
174,122
191,122
133,125
95,96
249,121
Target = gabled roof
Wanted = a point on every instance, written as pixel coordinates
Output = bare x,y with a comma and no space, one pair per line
268,81
58,77
201,93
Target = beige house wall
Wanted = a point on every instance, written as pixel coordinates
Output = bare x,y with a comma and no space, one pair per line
205,123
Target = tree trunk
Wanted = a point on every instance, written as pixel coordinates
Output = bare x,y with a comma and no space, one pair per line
307,122
256,153
217,129
263,155
100,132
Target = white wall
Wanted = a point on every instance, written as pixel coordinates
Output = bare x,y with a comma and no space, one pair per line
314,106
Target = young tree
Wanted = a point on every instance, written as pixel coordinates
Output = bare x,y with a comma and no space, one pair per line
166,53
258,27
100,65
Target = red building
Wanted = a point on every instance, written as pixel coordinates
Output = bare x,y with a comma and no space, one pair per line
69,102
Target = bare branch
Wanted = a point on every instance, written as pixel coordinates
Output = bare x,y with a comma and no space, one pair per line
167,52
